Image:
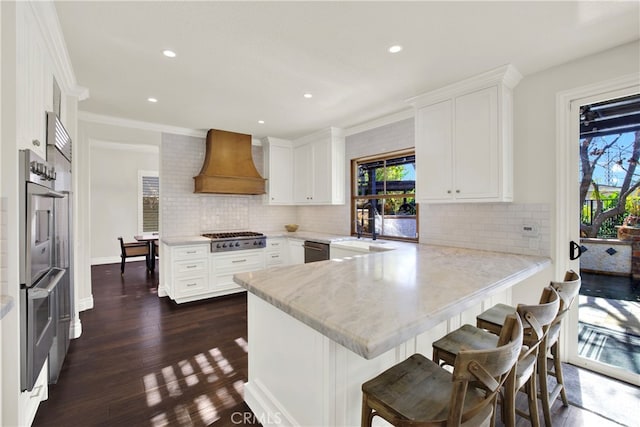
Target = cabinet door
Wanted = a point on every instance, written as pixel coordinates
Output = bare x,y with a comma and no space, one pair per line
434,152
302,174
296,251
279,174
476,145
322,171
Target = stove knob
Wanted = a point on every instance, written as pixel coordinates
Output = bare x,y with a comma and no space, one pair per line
224,245
237,244
255,243
218,246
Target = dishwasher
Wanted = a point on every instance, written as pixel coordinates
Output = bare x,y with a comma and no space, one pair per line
314,251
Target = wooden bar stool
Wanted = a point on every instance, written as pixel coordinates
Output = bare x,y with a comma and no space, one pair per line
492,319
418,391
536,320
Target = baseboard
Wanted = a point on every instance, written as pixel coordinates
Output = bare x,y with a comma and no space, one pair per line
267,410
85,303
113,260
76,329
108,260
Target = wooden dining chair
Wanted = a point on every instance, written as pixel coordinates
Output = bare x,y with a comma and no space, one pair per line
492,319
536,320
418,392
132,250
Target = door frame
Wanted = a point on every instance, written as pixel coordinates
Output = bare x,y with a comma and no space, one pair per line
567,196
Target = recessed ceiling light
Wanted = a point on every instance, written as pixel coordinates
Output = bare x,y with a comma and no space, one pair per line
261,122
152,100
169,53
308,95
395,48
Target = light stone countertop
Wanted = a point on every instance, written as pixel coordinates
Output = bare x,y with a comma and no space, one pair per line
6,304
303,235
371,304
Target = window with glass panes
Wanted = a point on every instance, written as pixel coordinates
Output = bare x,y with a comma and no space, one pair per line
383,202
149,203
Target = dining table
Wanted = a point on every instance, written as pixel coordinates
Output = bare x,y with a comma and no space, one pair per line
150,239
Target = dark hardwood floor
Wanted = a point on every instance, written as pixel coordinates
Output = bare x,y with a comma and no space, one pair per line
145,361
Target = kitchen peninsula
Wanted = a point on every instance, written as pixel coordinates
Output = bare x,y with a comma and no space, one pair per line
317,331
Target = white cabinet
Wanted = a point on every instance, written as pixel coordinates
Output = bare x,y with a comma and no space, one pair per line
278,169
296,251
188,272
195,273
276,251
319,168
225,264
464,140
34,80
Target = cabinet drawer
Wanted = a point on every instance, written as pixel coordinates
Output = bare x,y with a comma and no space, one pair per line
274,258
191,286
186,252
190,267
236,263
275,244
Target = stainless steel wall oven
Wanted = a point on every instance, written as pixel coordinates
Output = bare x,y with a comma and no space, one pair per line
38,276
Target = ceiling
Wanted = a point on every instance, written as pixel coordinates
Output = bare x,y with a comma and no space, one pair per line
241,62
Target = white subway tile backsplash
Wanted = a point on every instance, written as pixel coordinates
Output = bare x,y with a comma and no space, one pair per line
187,213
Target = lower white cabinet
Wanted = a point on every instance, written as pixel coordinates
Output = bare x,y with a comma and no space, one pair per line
195,273
225,264
296,251
276,252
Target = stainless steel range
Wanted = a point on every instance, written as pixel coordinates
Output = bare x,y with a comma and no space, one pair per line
236,241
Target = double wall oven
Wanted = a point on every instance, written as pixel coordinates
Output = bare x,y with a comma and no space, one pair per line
38,275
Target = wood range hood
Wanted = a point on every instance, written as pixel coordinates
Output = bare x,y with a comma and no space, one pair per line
228,165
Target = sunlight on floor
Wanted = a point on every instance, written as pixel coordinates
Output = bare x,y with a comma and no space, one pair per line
174,382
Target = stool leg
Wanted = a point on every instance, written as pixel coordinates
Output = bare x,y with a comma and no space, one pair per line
509,401
122,266
532,398
544,385
557,362
367,416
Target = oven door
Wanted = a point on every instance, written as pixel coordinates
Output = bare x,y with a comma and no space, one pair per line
38,325
39,231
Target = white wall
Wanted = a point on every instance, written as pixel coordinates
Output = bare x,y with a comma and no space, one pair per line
114,194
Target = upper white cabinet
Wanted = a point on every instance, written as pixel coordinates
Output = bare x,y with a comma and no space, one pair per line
307,171
464,140
319,168
278,168
33,80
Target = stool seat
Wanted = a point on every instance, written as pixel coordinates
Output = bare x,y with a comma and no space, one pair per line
493,318
466,337
418,389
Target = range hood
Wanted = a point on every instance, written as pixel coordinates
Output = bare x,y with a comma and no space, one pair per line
228,166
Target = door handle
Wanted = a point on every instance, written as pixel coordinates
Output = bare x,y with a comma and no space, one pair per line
575,250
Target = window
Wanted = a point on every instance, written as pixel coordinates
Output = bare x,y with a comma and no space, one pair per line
148,201
383,196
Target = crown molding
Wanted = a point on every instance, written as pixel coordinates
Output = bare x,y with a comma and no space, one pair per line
46,18
124,146
381,121
506,75
86,116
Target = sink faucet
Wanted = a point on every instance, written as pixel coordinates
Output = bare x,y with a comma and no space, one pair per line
372,219
359,228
